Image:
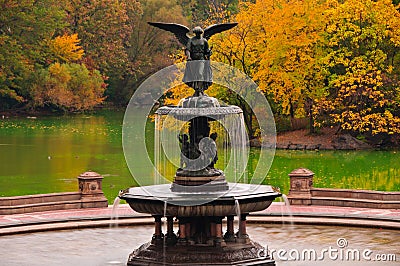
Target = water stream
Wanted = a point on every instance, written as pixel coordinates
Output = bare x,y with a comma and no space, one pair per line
233,151
285,209
237,209
114,213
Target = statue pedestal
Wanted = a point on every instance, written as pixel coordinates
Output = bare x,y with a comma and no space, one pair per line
199,184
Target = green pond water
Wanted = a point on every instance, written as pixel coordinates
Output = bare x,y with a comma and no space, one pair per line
46,154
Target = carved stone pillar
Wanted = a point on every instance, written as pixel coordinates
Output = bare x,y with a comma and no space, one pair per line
212,226
301,181
170,236
230,230
158,235
243,237
188,230
90,186
219,240
182,238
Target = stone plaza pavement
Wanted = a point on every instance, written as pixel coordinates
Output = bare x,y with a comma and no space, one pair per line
125,216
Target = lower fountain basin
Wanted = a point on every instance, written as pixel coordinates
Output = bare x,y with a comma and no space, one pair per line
200,239
111,246
251,198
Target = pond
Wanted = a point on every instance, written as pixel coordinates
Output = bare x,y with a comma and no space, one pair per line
46,154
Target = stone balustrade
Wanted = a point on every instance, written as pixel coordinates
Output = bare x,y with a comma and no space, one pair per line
90,195
302,192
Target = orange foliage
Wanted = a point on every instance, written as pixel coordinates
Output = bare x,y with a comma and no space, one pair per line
69,87
277,43
67,48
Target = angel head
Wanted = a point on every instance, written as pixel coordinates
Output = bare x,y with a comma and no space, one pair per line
198,30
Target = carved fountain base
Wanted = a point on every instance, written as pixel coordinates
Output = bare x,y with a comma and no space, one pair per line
200,238
230,254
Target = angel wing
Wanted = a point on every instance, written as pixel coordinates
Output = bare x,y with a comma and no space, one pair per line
178,30
217,28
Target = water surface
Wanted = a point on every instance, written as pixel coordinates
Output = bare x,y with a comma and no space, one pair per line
101,246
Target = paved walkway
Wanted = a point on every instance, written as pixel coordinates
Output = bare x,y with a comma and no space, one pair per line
276,213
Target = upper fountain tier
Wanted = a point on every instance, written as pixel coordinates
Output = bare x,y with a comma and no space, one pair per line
200,117
193,106
202,101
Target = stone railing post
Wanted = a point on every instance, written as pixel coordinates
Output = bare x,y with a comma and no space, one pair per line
90,186
301,181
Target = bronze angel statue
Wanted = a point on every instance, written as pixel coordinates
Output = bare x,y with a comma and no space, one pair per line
198,74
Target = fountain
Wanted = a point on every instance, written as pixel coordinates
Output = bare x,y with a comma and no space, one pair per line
200,197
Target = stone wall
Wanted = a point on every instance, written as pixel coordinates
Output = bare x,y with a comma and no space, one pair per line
302,192
90,195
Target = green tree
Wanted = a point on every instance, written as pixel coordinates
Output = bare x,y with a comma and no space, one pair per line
14,68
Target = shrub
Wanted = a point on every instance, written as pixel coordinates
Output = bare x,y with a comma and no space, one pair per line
69,87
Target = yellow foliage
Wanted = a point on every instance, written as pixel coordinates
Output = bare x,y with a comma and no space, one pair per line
67,48
60,73
277,43
176,93
362,35
335,60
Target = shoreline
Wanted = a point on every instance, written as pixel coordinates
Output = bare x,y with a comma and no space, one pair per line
327,139
300,139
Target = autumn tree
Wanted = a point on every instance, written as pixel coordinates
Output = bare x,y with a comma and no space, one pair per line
41,64
25,28
363,59
68,86
150,48
278,44
289,68
200,11
66,48
105,28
